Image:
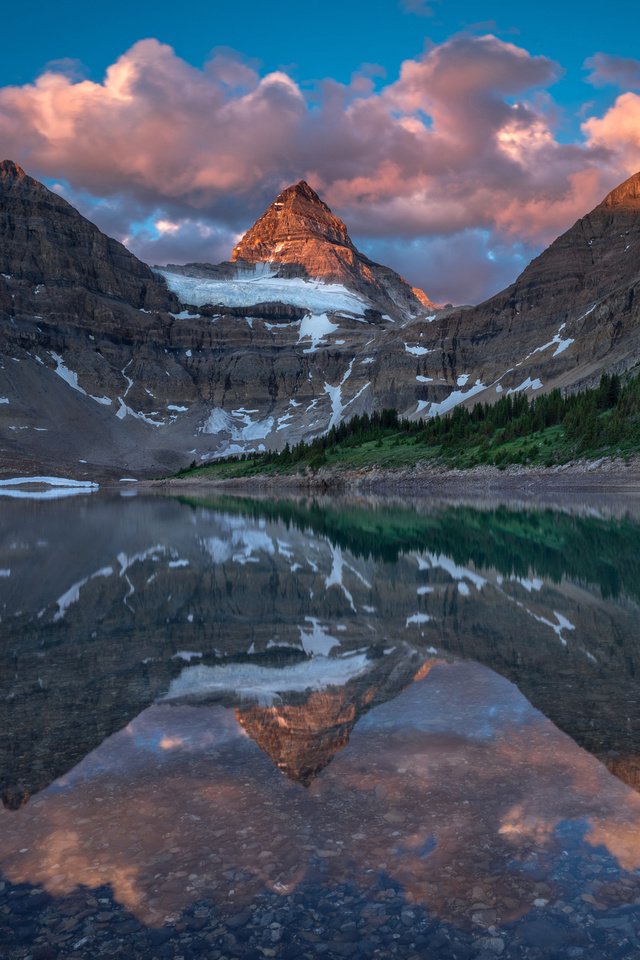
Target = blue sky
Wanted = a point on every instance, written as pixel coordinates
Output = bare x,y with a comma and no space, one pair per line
310,43
313,39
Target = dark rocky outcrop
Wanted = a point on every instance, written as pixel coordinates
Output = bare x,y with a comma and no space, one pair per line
44,241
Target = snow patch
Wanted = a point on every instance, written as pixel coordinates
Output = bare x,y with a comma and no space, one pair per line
529,585
417,350
335,578
560,344
315,327
526,385
457,573
316,641
418,618
455,397
71,378
239,424
72,595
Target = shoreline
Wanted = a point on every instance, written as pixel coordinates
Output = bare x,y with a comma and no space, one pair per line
606,476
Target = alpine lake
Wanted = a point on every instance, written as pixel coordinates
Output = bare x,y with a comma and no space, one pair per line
306,728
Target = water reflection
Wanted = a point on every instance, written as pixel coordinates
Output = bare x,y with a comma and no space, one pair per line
292,710
457,790
140,599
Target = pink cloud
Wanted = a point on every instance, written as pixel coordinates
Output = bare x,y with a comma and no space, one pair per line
617,133
462,140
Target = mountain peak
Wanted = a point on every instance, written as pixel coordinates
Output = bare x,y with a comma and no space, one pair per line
296,217
625,193
302,189
11,171
300,231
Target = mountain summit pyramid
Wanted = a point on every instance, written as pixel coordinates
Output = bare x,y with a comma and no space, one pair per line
299,230
296,218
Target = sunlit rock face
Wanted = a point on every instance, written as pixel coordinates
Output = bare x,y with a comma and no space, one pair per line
302,620
300,230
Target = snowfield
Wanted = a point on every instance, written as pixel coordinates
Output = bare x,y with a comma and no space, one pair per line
262,286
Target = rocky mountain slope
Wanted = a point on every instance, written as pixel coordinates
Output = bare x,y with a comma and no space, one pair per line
571,315
109,368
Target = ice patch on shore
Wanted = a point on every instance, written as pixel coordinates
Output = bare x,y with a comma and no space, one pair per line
49,482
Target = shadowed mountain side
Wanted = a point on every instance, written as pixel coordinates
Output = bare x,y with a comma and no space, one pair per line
573,312
45,242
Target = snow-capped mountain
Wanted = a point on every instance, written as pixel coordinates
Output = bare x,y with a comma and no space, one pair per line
110,368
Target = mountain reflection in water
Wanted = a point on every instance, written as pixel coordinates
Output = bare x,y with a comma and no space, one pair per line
209,703
455,784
